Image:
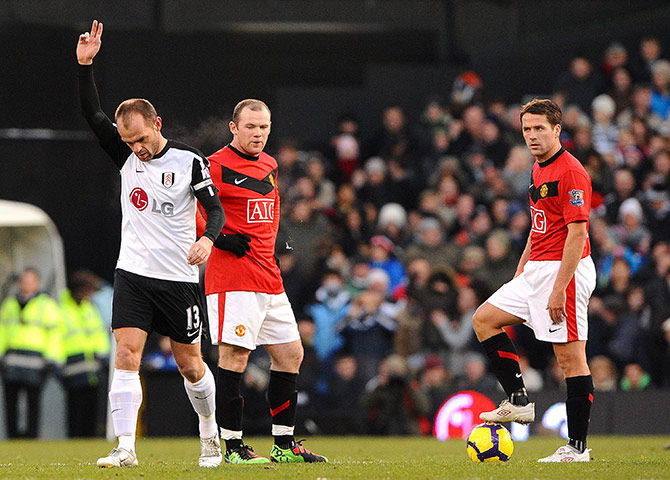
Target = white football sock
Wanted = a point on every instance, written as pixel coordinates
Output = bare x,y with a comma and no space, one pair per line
202,395
125,398
278,430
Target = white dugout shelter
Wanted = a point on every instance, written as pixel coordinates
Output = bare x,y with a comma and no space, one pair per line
28,238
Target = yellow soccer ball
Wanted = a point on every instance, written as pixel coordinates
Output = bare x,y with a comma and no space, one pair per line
490,442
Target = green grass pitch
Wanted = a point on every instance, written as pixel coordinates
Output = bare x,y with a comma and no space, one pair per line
350,457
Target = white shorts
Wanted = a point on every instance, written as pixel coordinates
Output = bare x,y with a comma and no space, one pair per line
526,297
249,319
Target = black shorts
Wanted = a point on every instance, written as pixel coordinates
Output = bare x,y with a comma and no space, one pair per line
173,309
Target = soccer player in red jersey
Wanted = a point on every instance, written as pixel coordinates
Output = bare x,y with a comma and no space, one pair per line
552,285
246,301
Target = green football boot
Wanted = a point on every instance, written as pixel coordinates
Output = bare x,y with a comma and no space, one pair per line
244,454
296,453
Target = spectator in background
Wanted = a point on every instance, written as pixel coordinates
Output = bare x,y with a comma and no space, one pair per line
302,229
435,383
499,265
375,189
616,56
467,89
367,331
289,158
580,84
621,90
298,289
345,392
517,171
656,203
630,231
624,188
495,146
393,139
471,133
476,376
346,146
381,256
313,379
324,188
409,335
634,378
628,154
432,246
396,405
162,358
86,346
650,52
392,223
30,345
531,377
331,306
604,374
640,111
605,135
457,333
660,94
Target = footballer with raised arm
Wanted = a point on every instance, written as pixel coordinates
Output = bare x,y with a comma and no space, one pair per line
156,278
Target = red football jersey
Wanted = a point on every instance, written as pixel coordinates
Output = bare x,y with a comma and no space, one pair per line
560,193
250,198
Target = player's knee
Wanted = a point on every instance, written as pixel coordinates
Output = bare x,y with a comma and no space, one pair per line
479,319
127,357
192,371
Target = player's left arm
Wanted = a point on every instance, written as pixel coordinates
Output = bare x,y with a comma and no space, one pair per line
572,254
206,193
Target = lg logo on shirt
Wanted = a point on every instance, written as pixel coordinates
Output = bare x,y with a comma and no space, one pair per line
260,210
140,199
539,220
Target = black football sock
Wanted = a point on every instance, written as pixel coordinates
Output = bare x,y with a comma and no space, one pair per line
282,398
578,408
505,365
229,404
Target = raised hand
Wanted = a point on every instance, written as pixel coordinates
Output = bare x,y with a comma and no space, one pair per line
89,44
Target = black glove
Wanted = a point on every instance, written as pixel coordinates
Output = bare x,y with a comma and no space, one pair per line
236,243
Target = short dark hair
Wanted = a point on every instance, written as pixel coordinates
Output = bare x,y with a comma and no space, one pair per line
543,106
136,105
251,104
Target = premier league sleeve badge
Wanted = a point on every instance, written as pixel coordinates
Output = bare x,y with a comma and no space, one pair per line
576,197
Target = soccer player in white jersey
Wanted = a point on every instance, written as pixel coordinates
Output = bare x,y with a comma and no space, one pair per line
156,280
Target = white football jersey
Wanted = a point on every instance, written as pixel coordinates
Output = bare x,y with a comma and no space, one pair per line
158,208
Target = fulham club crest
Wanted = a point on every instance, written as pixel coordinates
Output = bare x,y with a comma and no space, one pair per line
168,179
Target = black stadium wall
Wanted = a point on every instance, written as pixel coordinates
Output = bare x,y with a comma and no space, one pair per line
311,61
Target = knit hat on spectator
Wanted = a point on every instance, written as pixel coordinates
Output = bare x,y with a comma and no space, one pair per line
392,213
631,206
375,165
383,242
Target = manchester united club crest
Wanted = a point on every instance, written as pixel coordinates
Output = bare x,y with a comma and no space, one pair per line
240,330
576,197
544,190
168,179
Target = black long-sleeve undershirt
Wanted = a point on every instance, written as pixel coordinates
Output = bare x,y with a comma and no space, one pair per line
111,142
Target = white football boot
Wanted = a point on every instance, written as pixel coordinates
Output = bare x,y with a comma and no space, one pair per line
118,457
567,453
508,412
210,452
